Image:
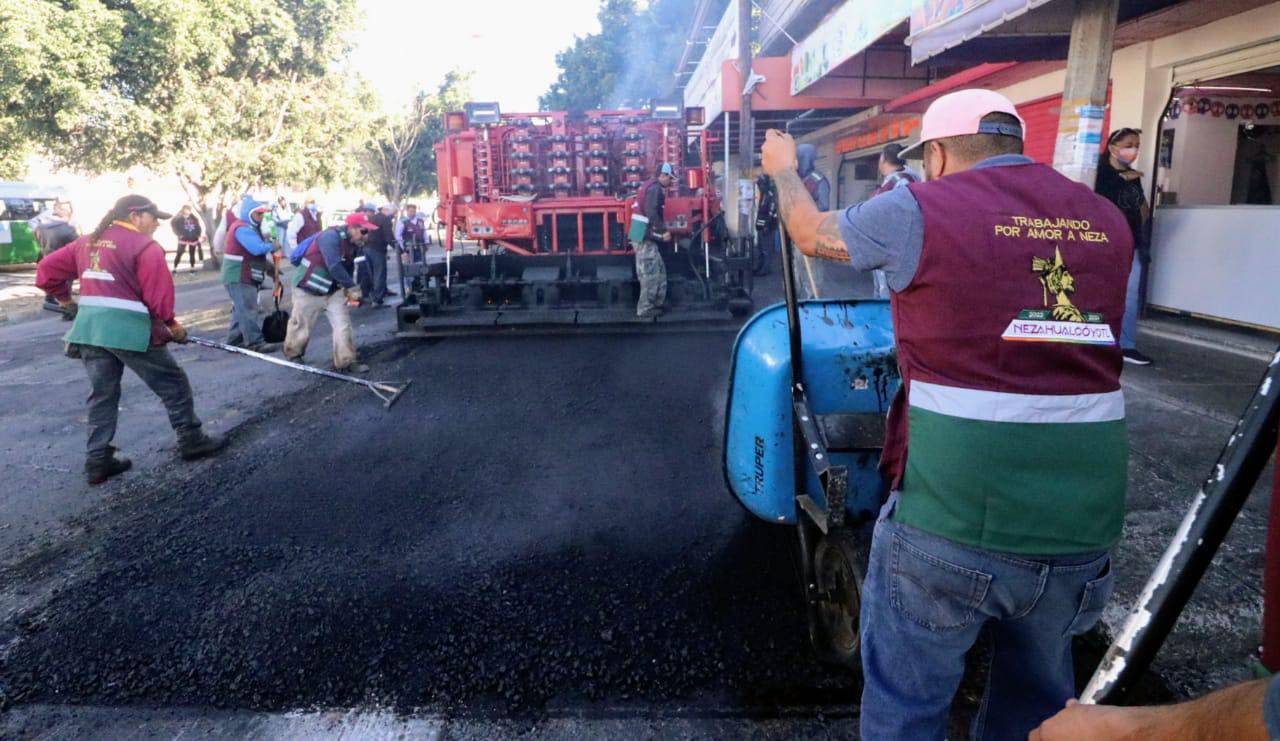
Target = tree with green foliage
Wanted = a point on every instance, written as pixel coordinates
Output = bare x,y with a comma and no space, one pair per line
627,63
401,157
54,58
226,94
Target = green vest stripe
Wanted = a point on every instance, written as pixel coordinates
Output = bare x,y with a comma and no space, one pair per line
109,326
231,268
1047,472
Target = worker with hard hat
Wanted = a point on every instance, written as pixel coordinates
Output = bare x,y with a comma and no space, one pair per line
123,320
1006,446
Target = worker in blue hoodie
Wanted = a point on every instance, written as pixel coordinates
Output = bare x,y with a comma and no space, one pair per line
244,268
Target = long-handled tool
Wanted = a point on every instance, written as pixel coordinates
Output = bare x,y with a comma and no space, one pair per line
389,393
275,326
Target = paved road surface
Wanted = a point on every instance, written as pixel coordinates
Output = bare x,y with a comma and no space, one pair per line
537,536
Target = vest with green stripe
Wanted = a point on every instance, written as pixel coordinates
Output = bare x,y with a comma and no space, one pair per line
1008,432
111,310
238,264
312,274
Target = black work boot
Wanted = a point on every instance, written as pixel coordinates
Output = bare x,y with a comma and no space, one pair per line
100,468
200,445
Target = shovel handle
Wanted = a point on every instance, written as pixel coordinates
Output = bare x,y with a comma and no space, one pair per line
277,291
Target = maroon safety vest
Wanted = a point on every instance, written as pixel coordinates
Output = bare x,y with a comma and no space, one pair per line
253,268
313,274
1020,289
414,230
310,225
892,181
112,313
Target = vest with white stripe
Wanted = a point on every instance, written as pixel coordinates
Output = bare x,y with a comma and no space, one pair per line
238,264
312,274
1008,432
111,310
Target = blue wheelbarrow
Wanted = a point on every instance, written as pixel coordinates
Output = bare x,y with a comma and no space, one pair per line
809,391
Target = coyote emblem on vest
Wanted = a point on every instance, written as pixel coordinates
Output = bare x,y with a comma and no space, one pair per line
1055,280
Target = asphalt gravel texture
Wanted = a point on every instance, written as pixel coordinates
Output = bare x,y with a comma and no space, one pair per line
540,524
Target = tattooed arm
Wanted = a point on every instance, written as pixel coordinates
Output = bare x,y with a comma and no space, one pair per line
813,232
885,232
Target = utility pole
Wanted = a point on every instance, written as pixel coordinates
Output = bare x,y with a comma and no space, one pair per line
746,128
1084,99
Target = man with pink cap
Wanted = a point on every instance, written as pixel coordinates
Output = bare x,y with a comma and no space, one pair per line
1006,447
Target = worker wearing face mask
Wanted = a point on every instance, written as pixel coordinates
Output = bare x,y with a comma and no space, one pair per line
1121,184
303,224
1007,286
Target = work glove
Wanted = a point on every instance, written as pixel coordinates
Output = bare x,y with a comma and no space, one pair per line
178,331
69,309
353,293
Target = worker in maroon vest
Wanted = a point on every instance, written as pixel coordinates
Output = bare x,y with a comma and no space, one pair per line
124,319
411,233
244,267
303,224
1006,447
322,284
893,170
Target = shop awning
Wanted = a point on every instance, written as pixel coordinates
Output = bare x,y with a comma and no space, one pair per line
849,30
964,31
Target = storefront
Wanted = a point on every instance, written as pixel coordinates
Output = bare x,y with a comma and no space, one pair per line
1215,161
1215,251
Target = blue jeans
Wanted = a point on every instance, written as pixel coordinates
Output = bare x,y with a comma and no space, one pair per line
925,602
1129,325
246,328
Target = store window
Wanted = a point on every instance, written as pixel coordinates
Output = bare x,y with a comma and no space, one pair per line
1221,143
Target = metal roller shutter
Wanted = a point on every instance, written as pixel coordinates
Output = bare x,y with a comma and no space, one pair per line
1041,117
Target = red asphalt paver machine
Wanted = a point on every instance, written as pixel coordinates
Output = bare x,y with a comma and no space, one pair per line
549,200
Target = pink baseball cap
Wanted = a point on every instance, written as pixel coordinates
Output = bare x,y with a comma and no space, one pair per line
960,114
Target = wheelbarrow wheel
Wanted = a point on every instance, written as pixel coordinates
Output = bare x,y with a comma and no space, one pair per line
838,570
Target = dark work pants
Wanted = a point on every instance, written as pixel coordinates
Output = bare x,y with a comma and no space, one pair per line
376,267
157,368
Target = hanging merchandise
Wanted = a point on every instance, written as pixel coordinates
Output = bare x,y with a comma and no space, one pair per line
1275,109
1232,110
1202,105
1216,108
1246,111
1175,109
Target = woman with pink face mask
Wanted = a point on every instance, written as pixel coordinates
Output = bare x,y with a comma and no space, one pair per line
1119,183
